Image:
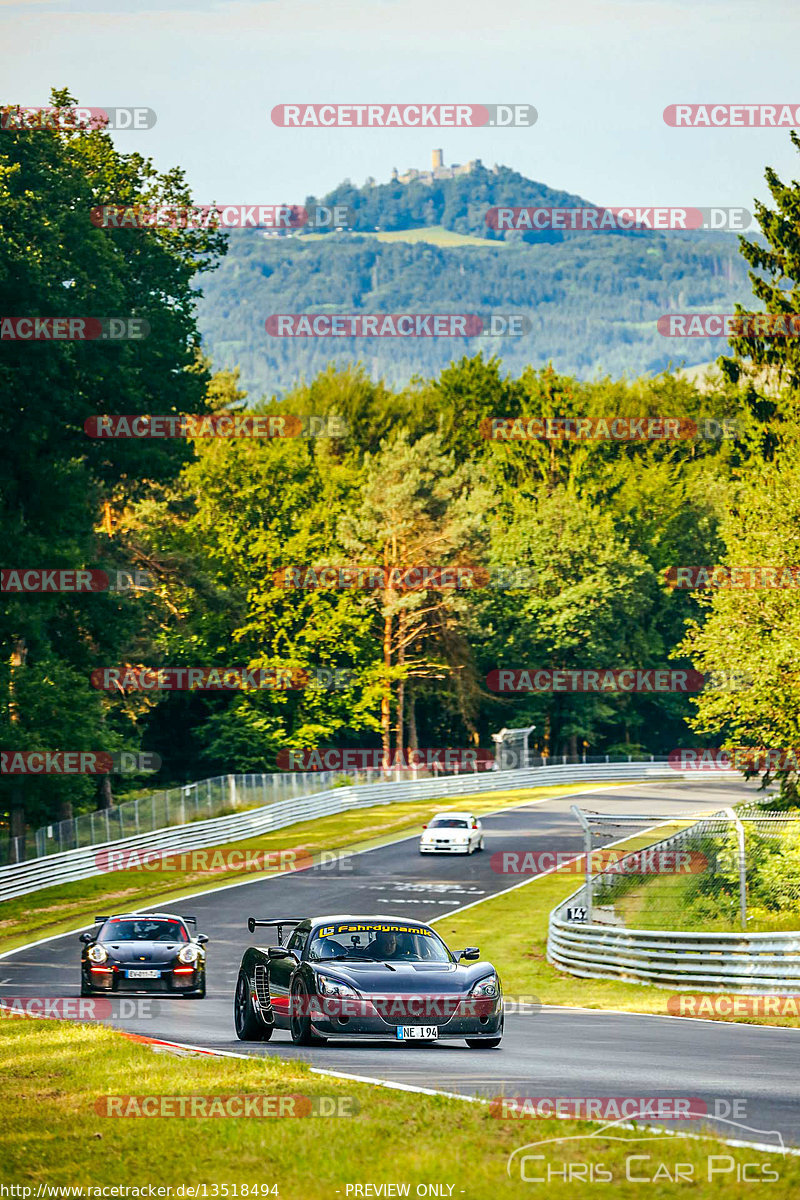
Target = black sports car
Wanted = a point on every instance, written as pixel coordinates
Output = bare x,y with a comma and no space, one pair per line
365,978
143,952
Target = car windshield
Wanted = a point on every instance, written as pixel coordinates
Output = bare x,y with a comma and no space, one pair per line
448,823
142,929
377,943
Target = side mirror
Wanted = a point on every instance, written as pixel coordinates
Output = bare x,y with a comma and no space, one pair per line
279,952
86,938
470,954
201,939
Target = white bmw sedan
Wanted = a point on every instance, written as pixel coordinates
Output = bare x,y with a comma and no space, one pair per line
451,833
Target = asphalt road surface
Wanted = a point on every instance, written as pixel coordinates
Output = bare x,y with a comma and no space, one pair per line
550,1052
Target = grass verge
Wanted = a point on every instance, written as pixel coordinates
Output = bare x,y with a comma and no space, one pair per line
512,927
53,1074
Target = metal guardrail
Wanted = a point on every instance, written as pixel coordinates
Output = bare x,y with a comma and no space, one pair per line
747,962
19,879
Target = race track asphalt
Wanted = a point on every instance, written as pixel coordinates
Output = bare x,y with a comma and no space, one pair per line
550,1052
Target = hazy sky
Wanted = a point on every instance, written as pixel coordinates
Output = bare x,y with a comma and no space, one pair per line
599,73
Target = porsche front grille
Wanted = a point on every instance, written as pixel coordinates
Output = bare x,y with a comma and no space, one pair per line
262,985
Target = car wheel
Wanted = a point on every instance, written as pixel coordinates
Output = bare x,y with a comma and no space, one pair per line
480,844
200,993
85,989
483,1043
249,1027
300,1022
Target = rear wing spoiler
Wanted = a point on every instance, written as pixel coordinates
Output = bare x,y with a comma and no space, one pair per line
193,920
253,923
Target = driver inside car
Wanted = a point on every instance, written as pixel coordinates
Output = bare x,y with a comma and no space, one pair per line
388,946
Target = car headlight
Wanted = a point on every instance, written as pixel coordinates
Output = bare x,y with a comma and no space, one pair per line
488,986
188,954
332,987
97,953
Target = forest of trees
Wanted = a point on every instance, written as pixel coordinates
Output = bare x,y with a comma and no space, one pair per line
408,479
593,302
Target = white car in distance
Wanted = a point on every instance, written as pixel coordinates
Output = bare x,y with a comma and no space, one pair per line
451,833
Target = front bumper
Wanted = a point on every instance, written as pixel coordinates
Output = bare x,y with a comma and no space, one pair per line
170,981
379,1020
445,848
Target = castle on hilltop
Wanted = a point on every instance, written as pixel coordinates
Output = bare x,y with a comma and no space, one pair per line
438,170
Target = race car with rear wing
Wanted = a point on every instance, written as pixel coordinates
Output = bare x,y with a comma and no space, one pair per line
143,952
365,979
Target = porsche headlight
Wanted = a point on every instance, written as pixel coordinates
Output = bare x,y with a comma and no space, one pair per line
188,954
332,987
486,987
97,953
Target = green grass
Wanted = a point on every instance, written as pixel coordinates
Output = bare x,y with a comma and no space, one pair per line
436,235
52,1074
512,929
58,909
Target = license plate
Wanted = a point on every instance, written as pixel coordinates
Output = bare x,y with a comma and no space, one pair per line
143,974
412,1033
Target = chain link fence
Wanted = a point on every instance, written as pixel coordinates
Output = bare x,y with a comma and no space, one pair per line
737,869
234,793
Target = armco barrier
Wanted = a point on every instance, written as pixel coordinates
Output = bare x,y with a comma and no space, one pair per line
21,878
747,962
750,962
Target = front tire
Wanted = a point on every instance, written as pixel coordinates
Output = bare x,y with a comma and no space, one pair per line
85,989
300,1022
249,1027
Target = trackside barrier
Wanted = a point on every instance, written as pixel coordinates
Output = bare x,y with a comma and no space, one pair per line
20,878
761,963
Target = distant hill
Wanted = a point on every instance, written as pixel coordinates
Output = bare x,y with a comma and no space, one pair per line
458,204
593,298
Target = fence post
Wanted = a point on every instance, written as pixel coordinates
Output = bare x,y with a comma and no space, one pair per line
742,867
587,846
232,790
